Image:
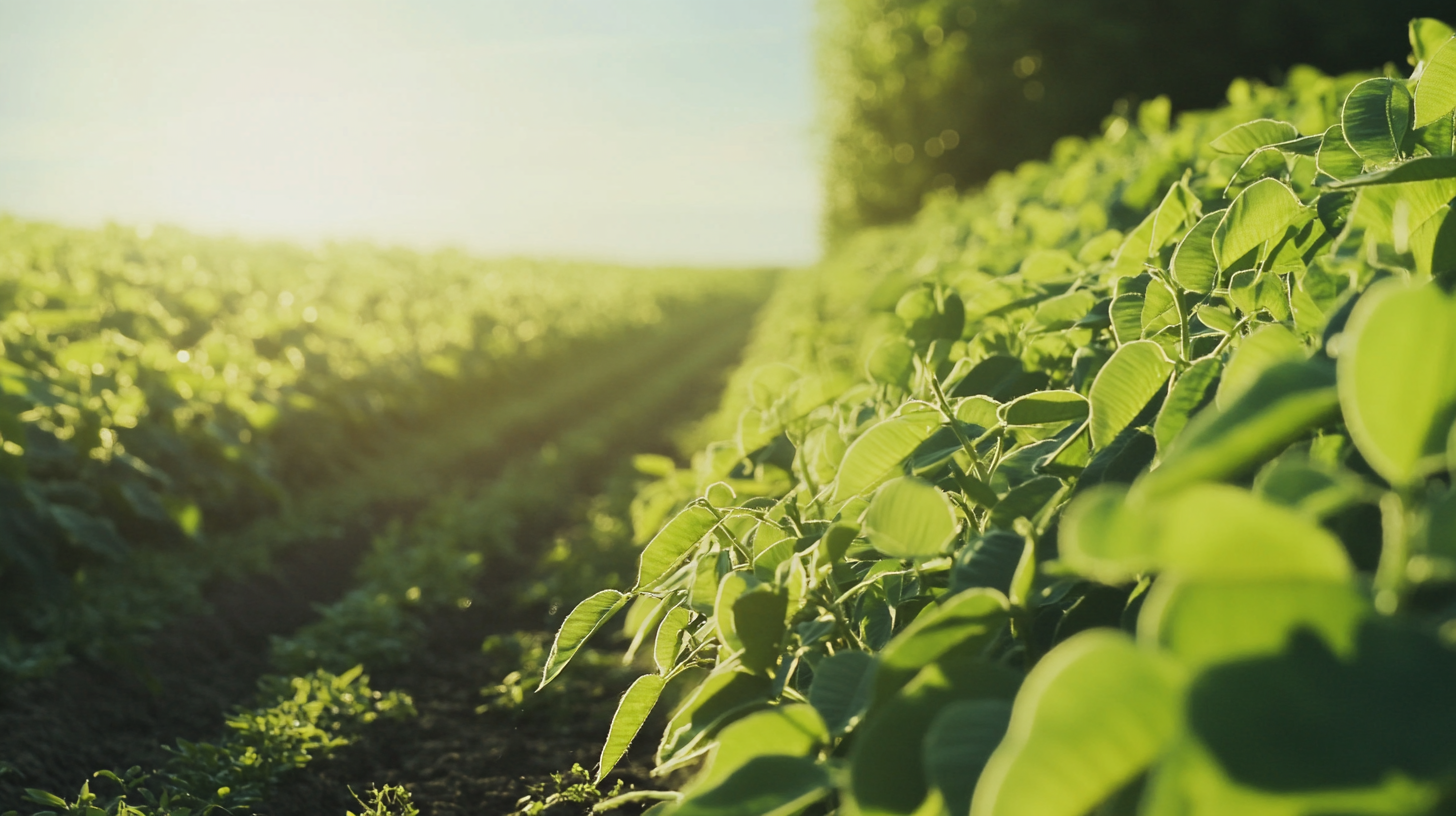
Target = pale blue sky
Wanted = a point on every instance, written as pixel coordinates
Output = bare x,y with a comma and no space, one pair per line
636,130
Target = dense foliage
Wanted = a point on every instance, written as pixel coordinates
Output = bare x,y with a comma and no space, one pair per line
1121,486
926,94
160,392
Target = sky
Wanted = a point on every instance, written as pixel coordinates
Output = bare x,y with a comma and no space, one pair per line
644,131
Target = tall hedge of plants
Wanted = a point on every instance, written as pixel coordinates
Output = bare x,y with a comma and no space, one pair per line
923,94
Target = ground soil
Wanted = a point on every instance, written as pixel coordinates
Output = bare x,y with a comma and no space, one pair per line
99,715
55,732
453,759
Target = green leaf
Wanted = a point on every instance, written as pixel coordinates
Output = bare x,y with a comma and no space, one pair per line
789,730
708,571
981,411
965,623
1207,531
632,712
733,585
1267,162
1314,487
1397,378
1204,623
1093,714
1133,375
958,745
758,622
1375,118
1244,139
668,644
1335,158
1126,314
722,696
1303,146
842,689
988,562
892,362
881,450
1190,393
1046,265
1427,35
997,377
1099,538
1024,501
1045,408
1194,266
1063,311
1177,206
1426,168
909,518
1307,720
1439,137
766,563
1266,347
1261,213
887,773
1160,310
584,620
765,786
1285,403
671,544
1436,91
1134,250
836,541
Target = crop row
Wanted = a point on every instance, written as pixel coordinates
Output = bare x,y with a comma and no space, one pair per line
159,393
434,563
1122,485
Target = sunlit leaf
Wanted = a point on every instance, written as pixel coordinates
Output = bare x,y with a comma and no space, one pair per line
721,696
584,620
758,623
1260,214
1045,408
668,548
1191,392
965,622
1093,714
877,454
1266,347
1213,622
1250,136
1436,92
1133,376
790,730
1335,158
668,643
1397,378
1285,402
632,711
909,518
1375,118
1194,265
1207,531
1426,168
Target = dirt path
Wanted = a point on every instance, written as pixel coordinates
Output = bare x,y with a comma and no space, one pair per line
55,732
454,760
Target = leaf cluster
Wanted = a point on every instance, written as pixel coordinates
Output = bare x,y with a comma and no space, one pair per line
1121,486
